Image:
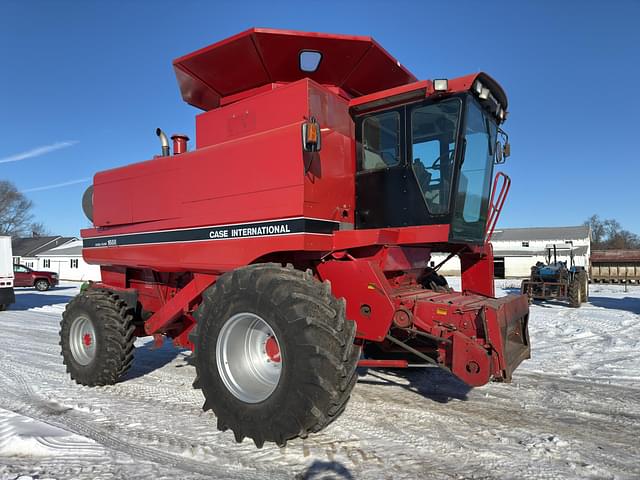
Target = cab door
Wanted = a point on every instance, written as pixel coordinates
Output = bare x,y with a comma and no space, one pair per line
387,194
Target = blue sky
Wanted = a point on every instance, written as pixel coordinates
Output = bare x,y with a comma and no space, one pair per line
83,85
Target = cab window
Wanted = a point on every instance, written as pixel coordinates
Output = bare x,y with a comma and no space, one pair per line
474,183
433,134
380,142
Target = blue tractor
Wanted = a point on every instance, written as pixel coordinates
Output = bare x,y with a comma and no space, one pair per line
556,280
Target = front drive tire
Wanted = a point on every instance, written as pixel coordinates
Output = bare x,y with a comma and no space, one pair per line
275,357
42,285
96,336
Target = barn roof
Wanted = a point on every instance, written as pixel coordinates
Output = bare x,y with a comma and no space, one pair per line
581,250
71,249
32,246
540,233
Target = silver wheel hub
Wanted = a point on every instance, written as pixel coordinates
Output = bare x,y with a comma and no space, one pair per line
82,340
248,357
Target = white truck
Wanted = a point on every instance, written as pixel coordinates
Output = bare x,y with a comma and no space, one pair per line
7,296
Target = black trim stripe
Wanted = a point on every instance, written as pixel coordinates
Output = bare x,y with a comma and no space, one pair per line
219,232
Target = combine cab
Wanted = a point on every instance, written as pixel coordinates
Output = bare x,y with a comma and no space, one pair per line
299,231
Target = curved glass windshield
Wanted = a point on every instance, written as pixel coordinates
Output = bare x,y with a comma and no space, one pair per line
474,184
433,141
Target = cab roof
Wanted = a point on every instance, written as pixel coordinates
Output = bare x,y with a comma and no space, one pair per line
260,57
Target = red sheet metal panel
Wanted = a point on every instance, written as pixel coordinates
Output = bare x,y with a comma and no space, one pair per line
188,190
358,65
285,106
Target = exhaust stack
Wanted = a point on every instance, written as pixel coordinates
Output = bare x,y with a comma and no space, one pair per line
164,141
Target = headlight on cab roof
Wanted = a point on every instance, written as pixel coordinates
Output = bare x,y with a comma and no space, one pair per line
441,84
477,87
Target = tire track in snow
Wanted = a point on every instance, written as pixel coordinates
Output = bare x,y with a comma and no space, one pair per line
19,434
110,435
57,412
27,403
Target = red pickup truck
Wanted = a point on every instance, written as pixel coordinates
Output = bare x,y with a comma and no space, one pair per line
27,277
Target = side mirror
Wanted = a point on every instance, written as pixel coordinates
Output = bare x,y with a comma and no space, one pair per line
311,141
503,150
499,155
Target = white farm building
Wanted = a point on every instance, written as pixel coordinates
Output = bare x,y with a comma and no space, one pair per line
516,250
67,261
26,249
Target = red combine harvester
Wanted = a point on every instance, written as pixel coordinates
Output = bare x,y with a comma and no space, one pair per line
299,231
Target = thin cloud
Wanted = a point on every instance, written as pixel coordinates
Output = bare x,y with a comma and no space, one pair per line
57,185
36,152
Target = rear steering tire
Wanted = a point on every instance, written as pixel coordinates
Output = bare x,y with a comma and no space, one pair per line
42,285
275,357
96,336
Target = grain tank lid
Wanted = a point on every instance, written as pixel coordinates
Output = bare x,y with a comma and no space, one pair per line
258,57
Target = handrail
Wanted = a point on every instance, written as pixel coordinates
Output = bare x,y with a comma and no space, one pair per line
497,202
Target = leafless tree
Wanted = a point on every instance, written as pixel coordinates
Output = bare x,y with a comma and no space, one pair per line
15,210
15,213
598,230
608,234
39,230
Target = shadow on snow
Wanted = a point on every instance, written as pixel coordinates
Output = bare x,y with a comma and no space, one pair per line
628,304
323,470
545,303
25,301
433,383
146,359
430,382
52,289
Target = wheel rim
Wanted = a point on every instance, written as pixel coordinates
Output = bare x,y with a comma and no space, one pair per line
82,340
248,357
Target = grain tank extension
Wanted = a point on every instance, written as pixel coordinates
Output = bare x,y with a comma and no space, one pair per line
292,243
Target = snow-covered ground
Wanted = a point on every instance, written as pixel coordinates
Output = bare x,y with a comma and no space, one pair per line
573,410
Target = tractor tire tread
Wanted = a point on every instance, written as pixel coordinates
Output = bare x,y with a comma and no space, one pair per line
115,324
574,292
584,285
323,340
